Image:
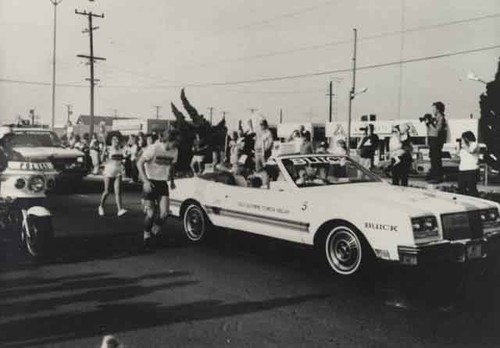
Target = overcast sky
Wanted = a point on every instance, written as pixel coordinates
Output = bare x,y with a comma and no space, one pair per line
154,47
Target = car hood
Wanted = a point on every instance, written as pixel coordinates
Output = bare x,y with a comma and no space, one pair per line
46,152
412,201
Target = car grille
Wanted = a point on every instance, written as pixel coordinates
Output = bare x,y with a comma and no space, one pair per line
462,225
64,163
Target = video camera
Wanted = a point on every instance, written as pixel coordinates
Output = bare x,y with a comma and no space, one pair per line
427,118
363,129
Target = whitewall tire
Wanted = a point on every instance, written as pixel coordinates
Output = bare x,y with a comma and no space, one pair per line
344,250
195,223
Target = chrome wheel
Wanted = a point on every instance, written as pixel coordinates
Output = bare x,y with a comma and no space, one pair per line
194,223
343,250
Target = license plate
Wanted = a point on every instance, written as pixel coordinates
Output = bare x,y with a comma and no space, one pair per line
474,251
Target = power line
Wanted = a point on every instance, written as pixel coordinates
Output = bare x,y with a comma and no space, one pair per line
283,16
277,78
343,42
277,53
267,20
40,83
328,72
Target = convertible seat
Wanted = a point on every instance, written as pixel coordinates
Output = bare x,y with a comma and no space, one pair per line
240,181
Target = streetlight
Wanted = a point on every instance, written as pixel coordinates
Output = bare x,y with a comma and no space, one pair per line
471,76
55,3
352,95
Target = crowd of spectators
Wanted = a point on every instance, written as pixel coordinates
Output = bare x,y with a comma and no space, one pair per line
96,150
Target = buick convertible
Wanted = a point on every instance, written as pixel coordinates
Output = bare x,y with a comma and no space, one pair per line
349,213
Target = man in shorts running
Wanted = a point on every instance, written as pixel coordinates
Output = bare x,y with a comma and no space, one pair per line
156,168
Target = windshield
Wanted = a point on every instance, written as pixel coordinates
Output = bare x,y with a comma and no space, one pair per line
32,139
307,171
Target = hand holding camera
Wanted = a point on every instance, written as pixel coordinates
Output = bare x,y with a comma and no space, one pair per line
428,119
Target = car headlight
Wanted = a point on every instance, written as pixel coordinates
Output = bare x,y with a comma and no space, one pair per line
79,159
36,183
20,183
489,215
424,227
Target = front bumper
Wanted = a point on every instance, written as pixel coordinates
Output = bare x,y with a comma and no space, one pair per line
449,251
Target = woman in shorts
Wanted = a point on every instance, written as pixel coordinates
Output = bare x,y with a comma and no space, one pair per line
113,173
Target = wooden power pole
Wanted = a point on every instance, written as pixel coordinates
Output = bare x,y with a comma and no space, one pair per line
69,113
330,98
352,93
211,109
157,107
92,58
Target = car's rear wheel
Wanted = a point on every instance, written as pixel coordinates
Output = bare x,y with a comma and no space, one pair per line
195,223
345,251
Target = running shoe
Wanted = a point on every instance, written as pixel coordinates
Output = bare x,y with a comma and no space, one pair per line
100,211
121,212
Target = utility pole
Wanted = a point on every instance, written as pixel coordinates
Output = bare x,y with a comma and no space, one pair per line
330,107
281,116
224,114
115,113
211,109
401,51
69,113
53,120
32,115
352,92
157,107
91,59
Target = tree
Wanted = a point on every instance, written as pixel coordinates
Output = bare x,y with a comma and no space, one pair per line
489,123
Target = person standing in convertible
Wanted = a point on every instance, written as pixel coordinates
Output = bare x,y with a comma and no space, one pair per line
156,168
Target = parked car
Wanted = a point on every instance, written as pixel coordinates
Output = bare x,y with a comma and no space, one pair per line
25,144
349,213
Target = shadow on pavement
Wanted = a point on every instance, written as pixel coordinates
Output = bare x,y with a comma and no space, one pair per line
72,250
124,317
19,287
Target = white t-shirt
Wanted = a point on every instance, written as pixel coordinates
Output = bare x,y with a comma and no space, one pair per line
158,161
469,157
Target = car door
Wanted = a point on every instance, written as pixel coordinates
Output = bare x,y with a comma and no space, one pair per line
274,213
215,199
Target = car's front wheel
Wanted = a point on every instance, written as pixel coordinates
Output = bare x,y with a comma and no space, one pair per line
195,223
345,250
38,234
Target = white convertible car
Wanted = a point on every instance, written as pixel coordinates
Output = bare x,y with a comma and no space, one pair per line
348,212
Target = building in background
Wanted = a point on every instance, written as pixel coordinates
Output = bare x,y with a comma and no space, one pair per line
135,125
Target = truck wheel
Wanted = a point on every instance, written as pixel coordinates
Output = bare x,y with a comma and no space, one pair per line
195,223
38,234
346,252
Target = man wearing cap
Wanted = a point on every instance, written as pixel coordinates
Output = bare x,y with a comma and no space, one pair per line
156,168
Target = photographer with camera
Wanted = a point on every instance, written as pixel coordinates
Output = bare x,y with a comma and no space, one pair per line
368,146
436,137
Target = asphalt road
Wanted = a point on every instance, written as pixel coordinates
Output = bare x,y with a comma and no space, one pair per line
236,290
